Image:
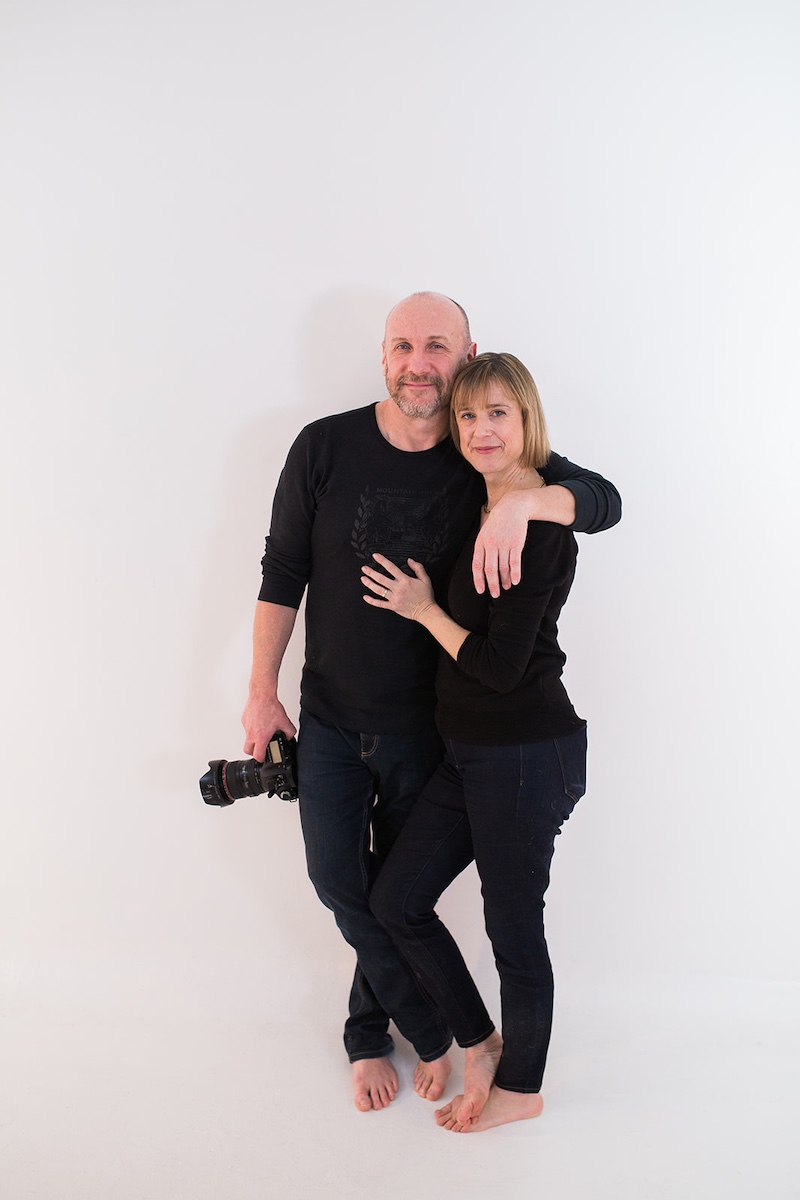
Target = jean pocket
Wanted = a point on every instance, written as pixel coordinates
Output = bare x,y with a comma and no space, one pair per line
571,753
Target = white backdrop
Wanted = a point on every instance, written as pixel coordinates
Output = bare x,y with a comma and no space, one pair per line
208,210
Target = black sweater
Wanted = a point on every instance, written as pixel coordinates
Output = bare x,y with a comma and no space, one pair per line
506,685
346,493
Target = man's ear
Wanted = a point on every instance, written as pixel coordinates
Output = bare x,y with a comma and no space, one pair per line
473,350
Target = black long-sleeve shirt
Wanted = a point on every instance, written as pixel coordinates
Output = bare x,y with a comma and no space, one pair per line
346,493
506,683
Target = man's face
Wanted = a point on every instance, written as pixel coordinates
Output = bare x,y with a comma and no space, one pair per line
425,345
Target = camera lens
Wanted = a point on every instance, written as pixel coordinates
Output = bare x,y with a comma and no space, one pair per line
211,786
226,781
242,778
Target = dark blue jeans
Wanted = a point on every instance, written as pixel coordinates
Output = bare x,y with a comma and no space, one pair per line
356,791
502,806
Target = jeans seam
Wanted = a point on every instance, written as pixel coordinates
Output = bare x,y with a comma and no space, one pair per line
364,859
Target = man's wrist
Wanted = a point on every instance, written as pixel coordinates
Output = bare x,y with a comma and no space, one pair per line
535,495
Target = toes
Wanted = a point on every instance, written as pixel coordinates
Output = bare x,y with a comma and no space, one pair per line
382,1094
455,1116
424,1084
430,1080
374,1085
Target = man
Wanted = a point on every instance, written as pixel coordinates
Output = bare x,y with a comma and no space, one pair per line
385,478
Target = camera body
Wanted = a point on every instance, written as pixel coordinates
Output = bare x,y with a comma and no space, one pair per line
226,781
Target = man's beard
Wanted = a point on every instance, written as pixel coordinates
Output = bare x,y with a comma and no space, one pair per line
421,408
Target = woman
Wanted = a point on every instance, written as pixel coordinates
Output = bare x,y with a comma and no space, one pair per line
514,768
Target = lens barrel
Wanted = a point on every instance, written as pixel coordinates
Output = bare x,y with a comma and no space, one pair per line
226,781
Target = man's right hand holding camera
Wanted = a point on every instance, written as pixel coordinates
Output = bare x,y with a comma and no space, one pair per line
264,714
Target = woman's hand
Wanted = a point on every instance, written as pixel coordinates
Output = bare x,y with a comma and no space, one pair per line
398,592
412,598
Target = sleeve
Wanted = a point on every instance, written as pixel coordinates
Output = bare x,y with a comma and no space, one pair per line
287,557
499,657
597,502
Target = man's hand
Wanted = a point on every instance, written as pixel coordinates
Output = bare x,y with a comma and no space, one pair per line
498,546
262,716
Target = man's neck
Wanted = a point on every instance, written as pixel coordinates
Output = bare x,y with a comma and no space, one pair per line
411,433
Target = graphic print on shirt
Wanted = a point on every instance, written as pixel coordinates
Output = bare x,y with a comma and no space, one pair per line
401,524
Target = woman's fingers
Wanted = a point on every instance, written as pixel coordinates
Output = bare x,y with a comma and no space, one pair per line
417,568
388,564
396,589
377,580
373,582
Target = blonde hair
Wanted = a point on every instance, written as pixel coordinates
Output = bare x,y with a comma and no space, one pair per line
472,384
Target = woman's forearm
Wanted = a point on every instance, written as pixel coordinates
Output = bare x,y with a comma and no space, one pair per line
450,635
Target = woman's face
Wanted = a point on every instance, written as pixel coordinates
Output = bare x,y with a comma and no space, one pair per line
490,432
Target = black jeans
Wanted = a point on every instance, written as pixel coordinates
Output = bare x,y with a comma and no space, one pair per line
356,791
502,806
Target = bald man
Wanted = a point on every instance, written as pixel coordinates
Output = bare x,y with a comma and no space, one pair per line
385,478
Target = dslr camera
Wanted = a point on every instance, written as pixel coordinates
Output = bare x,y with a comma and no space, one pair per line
226,781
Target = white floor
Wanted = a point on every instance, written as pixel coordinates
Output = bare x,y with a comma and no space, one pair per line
649,1095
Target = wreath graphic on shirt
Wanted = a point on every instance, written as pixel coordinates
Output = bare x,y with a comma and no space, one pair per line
401,525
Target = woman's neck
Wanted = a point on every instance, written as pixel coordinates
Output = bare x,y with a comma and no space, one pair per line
516,480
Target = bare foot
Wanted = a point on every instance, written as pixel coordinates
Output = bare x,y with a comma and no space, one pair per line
374,1083
480,1068
501,1108
431,1077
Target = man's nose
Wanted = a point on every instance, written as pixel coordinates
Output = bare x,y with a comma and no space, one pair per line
419,363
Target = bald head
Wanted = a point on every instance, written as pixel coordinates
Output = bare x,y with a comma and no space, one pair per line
416,299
